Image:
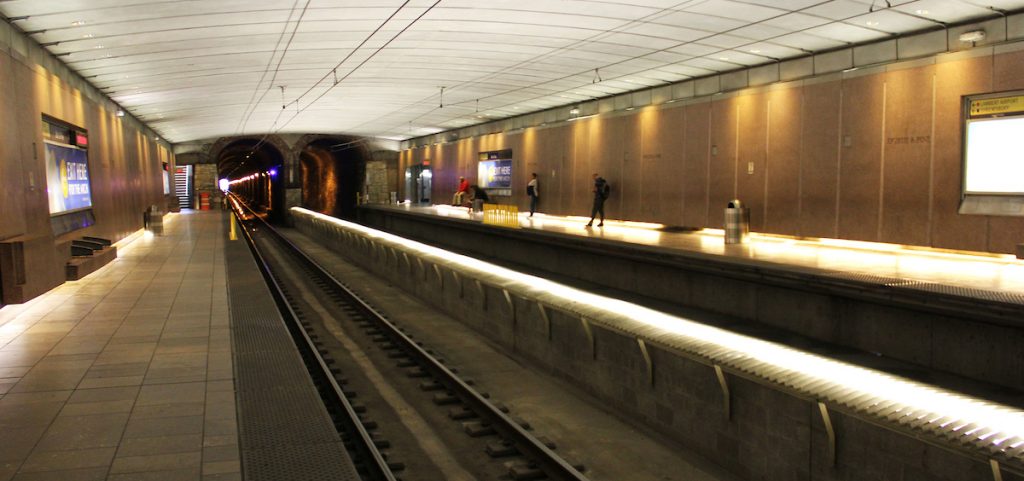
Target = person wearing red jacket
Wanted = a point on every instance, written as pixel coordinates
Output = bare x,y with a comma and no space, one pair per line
461,193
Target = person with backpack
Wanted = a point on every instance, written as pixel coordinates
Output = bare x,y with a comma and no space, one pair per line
601,192
531,190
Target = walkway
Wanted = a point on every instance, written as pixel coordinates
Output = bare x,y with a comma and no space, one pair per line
126,374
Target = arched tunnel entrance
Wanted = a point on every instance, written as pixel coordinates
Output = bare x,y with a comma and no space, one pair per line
333,174
254,170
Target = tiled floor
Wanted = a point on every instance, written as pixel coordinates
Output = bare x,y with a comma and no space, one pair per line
993,273
126,374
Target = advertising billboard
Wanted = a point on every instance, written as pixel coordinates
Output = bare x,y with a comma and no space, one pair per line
495,171
67,178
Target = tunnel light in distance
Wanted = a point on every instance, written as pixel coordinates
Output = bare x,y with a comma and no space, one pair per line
224,184
272,172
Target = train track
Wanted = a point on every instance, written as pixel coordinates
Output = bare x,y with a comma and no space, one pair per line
504,439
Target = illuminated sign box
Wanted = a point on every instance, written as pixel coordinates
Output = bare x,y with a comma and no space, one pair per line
494,172
993,155
68,181
67,178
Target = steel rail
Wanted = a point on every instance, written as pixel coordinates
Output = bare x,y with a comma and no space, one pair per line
528,445
375,463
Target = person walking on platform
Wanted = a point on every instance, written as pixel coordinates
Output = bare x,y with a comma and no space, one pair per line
531,190
461,193
601,192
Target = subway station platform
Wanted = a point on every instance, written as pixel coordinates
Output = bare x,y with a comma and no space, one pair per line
143,371
951,312
973,272
127,373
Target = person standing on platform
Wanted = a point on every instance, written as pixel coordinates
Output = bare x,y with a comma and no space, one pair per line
461,193
531,190
601,192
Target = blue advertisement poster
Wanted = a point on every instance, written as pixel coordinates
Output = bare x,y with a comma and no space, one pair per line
495,174
67,178
495,171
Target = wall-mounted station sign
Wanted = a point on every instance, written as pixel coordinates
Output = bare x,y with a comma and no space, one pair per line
1009,105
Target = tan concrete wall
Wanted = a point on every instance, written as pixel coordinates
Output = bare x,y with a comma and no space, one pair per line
827,161
124,162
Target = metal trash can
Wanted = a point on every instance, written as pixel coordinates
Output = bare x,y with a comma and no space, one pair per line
737,222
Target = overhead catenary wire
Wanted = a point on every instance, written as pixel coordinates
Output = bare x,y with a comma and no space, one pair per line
253,103
298,111
357,67
611,31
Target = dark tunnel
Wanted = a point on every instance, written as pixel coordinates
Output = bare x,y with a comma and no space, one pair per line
261,165
333,172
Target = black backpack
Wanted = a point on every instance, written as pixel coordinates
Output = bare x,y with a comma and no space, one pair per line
606,190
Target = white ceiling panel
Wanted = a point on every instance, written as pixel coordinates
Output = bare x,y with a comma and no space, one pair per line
205,68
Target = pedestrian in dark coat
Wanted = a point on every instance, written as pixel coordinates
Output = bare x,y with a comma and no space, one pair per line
601,192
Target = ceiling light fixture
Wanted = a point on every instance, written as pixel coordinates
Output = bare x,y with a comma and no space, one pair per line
78,23
120,113
576,118
88,35
871,23
921,12
98,46
973,36
755,51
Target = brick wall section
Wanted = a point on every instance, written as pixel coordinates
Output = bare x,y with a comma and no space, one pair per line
378,189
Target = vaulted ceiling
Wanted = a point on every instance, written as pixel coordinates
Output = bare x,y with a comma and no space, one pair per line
195,69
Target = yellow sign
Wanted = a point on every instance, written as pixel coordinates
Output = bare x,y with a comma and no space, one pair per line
501,215
1001,105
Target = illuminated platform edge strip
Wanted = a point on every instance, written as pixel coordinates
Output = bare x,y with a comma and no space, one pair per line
994,428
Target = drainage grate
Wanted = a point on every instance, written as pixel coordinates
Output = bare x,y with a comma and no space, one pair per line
966,292
285,432
298,462
862,278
